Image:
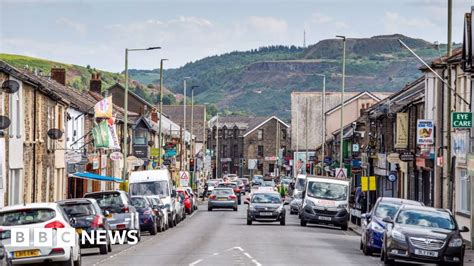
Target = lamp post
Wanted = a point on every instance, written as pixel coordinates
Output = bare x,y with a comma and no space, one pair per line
192,121
160,131
341,163
125,130
183,144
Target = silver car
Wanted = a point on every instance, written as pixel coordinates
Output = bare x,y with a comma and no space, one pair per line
122,214
222,198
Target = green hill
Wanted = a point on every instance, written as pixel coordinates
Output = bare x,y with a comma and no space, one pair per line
260,81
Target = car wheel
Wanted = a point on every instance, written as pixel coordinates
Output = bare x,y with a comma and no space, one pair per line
175,222
303,221
69,262
344,227
153,230
361,245
366,250
249,221
236,208
385,258
282,221
103,250
109,247
78,262
209,208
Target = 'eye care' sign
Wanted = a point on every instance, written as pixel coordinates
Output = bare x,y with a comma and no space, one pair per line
461,120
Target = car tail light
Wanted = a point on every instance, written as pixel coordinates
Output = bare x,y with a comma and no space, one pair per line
212,196
120,226
57,250
54,224
125,209
147,212
97,222
232,197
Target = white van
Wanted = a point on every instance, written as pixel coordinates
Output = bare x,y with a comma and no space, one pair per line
300,183
325,201
155,183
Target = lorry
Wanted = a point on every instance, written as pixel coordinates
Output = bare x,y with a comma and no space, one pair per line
155,183
325,201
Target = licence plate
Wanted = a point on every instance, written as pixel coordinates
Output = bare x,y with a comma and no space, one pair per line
426,253
26,253
222,199
266,214
324,218
79,230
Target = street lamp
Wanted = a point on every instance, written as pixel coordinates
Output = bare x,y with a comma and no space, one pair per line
160,138
341,165
192,120
184,126
125,131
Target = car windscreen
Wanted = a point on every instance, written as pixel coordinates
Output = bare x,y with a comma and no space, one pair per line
266,198
139,202
300,182
78,209
159,188
212,183
433,219
26,216
298,195
327,191
386,210
223,192
107,200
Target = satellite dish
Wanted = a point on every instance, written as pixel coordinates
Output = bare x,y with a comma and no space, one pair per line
10,86
4,122
55,133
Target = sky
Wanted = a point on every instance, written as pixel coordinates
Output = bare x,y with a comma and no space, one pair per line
96,32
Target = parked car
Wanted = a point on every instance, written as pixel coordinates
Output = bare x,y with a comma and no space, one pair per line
234,186
372,223
423,234
180,208
222,197
186,200
40,215
266,207
247,185
87,217
296,203
122,215
5,260
193,196
148,219
160,211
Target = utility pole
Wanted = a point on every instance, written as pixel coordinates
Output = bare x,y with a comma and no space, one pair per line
160,133
341,162
323,128
217,144
449,111
184,125
193,152
306,133
295,159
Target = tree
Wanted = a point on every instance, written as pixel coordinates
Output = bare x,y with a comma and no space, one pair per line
169,99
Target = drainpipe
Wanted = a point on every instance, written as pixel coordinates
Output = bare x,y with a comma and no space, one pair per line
34,143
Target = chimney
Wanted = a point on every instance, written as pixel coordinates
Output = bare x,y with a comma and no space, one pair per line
154,115
95,83
59,75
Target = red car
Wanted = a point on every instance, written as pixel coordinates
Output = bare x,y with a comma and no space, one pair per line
186,199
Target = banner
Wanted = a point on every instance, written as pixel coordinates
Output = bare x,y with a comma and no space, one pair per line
103,109
101,135
113,139
425,132
401,141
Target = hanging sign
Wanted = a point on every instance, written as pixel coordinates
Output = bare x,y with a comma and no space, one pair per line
401,140
425,132
461,120
116,156
407,156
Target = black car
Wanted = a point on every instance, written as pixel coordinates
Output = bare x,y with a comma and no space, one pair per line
266,207
86,215
148,219
423,234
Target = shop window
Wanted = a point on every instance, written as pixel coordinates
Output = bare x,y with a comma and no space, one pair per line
465,195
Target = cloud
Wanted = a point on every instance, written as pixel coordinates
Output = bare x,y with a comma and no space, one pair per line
394,22
76,26
269,24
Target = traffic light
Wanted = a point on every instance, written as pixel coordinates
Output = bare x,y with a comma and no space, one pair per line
191,165
308,168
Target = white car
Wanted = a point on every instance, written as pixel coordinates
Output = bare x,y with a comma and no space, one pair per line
37,215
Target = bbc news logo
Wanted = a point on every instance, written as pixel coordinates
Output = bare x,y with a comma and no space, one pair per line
66,237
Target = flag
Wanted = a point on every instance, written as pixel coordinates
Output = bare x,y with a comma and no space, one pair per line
103,109
101,135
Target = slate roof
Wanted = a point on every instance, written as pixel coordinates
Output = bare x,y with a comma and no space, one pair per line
242,122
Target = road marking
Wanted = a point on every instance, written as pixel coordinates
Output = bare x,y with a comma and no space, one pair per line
215,254
248,255
196,262
256,262
239,248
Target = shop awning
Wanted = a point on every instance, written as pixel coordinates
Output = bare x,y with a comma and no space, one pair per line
97,177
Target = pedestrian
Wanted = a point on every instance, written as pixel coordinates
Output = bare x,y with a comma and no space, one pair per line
204,193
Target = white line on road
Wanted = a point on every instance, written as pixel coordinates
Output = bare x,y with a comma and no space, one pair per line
256,262
248,255
239,248
194,263
215,254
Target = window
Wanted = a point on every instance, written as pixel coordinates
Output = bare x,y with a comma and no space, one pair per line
140,137
283,133
236,133
224,133
236,151
465,197
260,134
260,151
224,150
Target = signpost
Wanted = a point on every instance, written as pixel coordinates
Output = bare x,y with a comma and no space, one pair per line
341,173
461,120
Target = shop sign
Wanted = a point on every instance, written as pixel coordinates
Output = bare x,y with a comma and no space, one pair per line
72,157
401,140
225,160
425,132
368,183
420,162
407,157
461,120
272,158
95,163
393,158
116,156
155,152
355,147
140,151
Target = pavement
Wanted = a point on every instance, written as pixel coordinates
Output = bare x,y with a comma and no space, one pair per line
221,237
468,255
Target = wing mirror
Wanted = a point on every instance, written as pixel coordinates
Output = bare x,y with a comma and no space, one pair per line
464,229
365,216
388,220
106,213
72,221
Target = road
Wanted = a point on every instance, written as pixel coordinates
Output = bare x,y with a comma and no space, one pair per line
222,237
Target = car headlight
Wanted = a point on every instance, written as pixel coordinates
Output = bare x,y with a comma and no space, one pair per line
279,209
398,236
455,242
342,206
376,227
251,208
310,203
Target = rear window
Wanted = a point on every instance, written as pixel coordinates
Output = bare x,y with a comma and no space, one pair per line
26,216
78,209
139,202
106,200
224,192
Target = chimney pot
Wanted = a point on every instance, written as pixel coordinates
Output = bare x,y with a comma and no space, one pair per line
95,83
59,75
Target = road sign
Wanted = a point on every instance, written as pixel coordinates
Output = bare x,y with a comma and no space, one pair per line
341,173
355,147
461,120
392,177
184,178
366,185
